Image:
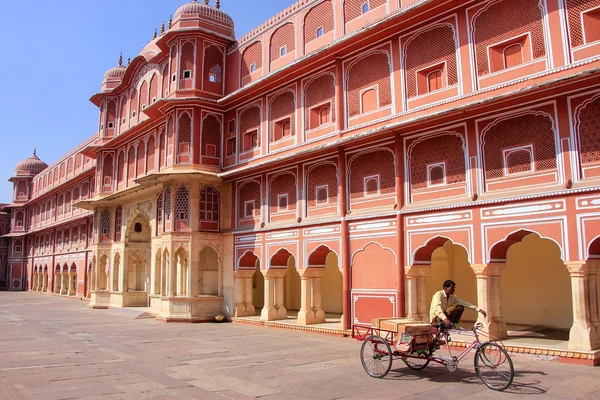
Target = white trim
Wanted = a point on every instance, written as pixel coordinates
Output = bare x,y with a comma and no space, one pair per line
366,180
507,152
436,165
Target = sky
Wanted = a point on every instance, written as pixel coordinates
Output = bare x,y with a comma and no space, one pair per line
55,55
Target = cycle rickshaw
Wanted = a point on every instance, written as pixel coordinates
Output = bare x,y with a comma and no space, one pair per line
492,363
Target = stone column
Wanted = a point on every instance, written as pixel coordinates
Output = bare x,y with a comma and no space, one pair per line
489,299
279,295
311,311
317,295
416,295
179,284
273,308
70,284
243,293
585,332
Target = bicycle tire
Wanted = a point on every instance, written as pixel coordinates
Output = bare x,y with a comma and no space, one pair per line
376,356
489,358
413,365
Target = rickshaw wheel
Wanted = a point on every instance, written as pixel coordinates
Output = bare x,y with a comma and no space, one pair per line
376,356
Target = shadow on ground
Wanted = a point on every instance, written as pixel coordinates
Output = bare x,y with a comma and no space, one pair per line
524,381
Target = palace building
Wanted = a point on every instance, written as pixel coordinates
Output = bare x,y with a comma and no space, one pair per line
333,165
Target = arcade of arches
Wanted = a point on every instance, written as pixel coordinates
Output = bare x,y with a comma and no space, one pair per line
283,289
527,289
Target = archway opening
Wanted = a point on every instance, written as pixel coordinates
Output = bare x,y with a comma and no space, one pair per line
180,273
164,277
208,276
102,277
56,281
535,292
157,269
72,280
291,287
332,286
136,273
258,288
451,261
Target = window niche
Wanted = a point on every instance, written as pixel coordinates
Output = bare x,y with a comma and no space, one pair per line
251,140
320,115
510,53
282,129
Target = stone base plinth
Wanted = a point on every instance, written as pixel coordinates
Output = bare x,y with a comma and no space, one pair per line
186,309
99,299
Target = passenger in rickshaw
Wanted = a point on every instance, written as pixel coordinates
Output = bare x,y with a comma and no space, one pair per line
447,309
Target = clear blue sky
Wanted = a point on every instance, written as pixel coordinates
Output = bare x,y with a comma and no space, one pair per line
54,57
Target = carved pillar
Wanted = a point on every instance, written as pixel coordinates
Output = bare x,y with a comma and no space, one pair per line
273,308
585,332
488,297
416,296
45,282
243,293
311,311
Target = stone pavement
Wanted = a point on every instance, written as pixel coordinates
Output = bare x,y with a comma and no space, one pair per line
57,348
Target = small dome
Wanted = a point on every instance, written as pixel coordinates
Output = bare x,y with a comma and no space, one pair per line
205,10
33,165
116,72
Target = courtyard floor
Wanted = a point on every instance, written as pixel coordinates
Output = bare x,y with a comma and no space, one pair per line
57,348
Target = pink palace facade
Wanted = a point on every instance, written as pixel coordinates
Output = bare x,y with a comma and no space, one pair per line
340,161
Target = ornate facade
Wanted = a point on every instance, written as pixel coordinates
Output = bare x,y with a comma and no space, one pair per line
345,157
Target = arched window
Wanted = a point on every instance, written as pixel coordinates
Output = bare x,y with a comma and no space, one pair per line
123,112
131,165
68,203
437,175
209,209
184,138
159,214
134,105
181,209
186,65
513,55
19,218
118,223
371,185
151,154
324,115
105,226
213,64
434,81
286,128
167,209
108,174
121,170
368,101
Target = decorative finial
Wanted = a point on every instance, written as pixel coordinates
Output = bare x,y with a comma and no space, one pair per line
155,34
205,2
162,27
128,61
170,21
218,4
121,59
34,151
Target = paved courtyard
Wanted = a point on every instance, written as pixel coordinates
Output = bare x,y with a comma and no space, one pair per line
57,348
